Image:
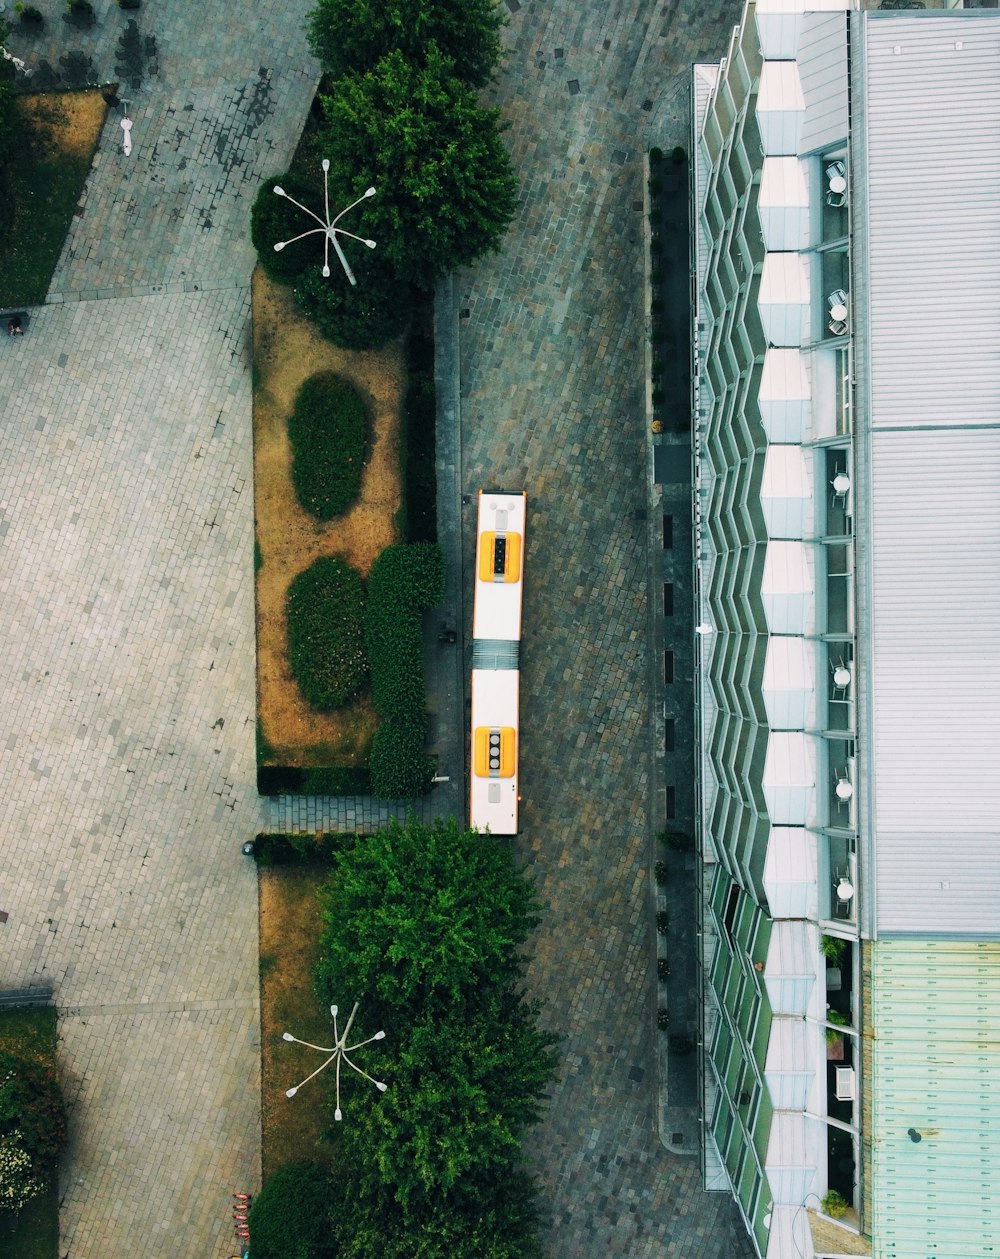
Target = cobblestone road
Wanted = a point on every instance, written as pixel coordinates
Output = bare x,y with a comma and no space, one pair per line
552,363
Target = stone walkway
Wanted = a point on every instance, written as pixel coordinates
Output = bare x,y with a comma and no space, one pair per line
127,671
552,401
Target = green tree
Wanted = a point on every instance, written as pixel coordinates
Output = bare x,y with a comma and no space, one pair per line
463,1088
446,190
352,35
288,1219
421,917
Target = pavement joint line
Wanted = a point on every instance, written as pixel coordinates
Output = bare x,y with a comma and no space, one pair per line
156,1007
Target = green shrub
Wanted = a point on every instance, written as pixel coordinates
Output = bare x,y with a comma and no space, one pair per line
662,968
400,768
663,922
288,1219
328,431
835,1205
660,871
832,948
360,316
326,653
404,580
663,1018
32,1128
655,154
300,849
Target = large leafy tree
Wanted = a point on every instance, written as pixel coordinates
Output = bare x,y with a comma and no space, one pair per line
426,925
421,918
446,190
350,36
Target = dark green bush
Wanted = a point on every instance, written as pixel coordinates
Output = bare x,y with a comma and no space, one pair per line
404,580
274,219
662,968
662,1018
359,316
326,653
663,922
288,1219
661,872
400,769
655,154
328,431
301,849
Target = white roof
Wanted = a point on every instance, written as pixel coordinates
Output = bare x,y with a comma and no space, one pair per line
493,801
497,611
784,298
929,501
789,779
790,872
786,492
780,107
823,72
784,394
789,685
790,970
783,203
787,587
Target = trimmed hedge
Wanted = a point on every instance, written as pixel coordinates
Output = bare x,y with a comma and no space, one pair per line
325,610
419,420
32,1128
300,849
334,780
404,581
328,431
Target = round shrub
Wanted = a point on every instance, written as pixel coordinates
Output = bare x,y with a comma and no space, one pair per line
328,431
32,1128
288,1219
274,219
326,652
360,316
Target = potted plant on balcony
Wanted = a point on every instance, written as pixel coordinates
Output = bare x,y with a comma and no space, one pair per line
835,1039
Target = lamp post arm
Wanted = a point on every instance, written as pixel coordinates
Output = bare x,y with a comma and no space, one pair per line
354,1066
311,214
363,197
318,1069
312,232
343,232
324,1049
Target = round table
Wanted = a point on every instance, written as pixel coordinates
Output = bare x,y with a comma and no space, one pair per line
844,789
842,677
838,183
838,312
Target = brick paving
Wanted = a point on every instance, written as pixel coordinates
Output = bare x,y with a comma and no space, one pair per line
127,732
552,401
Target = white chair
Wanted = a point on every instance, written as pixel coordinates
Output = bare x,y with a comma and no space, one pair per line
836,170
837,298
838,327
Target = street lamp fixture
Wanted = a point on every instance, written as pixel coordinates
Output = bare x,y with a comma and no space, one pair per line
337,1051
327,227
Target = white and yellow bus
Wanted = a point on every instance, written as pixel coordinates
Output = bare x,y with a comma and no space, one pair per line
496,641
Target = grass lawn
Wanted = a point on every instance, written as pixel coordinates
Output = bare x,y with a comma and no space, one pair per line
34,1232
293,1128
59,133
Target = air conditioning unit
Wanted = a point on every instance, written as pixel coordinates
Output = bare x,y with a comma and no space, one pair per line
844,1085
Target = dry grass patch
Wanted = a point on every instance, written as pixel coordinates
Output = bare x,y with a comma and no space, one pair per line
287,351
290,925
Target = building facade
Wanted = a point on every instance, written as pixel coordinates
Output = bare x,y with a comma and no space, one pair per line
846,188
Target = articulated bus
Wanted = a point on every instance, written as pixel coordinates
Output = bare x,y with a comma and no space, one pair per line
496,640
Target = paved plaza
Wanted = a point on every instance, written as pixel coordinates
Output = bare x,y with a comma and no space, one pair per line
126,518
127,670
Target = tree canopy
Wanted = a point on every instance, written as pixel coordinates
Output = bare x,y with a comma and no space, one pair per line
446,190
351,36
421,917
425,925
32,1128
